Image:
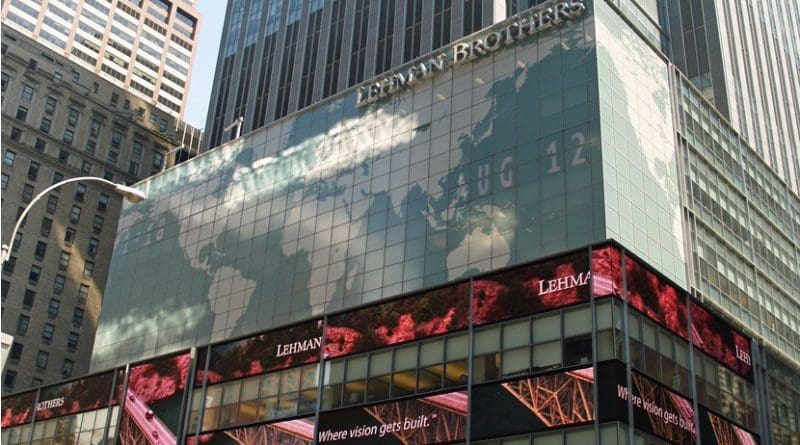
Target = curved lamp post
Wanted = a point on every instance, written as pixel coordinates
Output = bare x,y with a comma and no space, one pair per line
129,193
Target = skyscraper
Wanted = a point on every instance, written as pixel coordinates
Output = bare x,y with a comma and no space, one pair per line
144,46
539,231
61,120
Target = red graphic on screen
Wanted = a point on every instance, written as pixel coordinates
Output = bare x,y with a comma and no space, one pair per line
606,272
655,298
530,289
432,419
86,394
270,351
153,395
412,318
18,409
669,415
557,399
726,433
720,341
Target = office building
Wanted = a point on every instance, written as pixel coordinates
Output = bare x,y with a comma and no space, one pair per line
61,120
542,232
143,46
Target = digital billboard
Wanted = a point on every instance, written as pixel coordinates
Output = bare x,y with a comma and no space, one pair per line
270,351
18,409
152,402
532,404
286,432
718,430
439,418
533,288
656,409
721,341
77,396
434,312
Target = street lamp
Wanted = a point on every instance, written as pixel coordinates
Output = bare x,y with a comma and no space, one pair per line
129,193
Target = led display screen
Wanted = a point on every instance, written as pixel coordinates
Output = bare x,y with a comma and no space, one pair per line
287,432
530,289
721,341
432,419
435,312
86,394
153,399
533,404
271,351
18,409
606,272
656,409
718,430
653,297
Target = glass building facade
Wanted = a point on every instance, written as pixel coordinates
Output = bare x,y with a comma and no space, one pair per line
428,261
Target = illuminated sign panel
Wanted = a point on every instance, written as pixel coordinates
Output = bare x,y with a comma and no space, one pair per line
77,396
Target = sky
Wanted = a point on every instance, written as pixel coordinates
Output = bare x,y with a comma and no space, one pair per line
212,16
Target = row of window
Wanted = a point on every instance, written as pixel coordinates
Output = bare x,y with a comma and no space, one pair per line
87,427
42,357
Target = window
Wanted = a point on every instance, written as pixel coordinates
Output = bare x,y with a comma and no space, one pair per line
50,105
73,116
86,168
158,160
133,169
93,246
137,148
91,146
114,99
45,125
36,382
94,129
80,192
75,214
17,241
52,308
22,324
63,157
57,77
76,76
112,157
116,138
5,181
41,250
41,359
40,145
69,236
34,274
69,136
57,177
6,285
47,332
8,267
77,317
83,294
28,298
5,80
47,226
9,157
97,226
10,379
33,171
107,174
58,284
102,202
88,268
16,134
63,260
22,113
27,193
66,368
16,350
27,93
52,204
20,211
72,341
